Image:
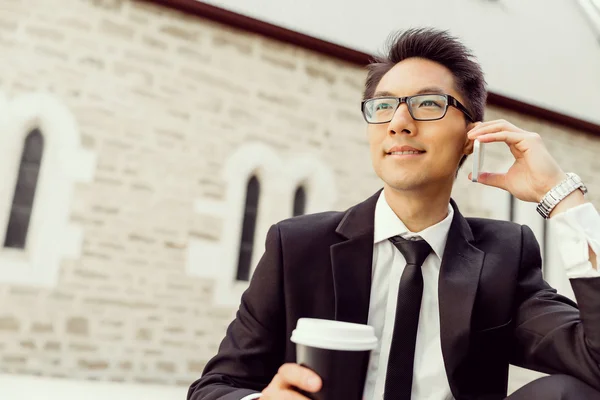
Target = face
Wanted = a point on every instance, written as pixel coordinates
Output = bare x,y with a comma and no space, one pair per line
440,144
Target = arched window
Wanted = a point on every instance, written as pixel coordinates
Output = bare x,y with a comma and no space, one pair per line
248,228
22,203
299,201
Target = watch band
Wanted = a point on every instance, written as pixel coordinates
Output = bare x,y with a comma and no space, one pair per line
559,192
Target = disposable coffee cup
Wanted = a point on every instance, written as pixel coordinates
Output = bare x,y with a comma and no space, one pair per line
338,352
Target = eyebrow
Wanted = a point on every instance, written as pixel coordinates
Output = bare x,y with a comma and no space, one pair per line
428,89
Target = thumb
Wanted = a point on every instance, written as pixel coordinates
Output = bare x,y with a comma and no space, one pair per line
492,179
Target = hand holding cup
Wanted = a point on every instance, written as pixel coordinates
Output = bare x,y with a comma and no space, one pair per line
288,380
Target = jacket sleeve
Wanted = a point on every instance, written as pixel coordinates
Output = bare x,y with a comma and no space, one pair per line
253,348
552,333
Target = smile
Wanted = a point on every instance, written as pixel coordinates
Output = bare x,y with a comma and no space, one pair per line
405,153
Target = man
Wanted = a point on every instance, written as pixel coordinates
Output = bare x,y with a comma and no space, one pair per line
481,301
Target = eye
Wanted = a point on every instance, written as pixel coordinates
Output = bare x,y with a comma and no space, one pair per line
429,103
383,106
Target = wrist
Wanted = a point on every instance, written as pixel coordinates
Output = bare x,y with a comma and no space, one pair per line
551,184
572,200
564,195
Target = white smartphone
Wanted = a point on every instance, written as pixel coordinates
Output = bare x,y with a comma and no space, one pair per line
477,160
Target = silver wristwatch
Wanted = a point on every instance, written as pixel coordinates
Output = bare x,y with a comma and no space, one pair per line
559,192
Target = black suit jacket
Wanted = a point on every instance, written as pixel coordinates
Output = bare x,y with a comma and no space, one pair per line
495,307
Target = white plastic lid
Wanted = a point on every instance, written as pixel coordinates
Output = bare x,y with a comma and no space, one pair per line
334,335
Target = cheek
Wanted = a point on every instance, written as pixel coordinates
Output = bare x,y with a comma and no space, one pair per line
375,141
449,147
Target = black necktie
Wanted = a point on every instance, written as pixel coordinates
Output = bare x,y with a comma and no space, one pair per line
398,381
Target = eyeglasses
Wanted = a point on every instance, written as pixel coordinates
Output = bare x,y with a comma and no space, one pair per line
422,107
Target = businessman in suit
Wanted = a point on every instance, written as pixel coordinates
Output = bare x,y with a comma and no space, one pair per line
457,299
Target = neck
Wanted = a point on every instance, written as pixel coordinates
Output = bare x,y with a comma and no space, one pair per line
421,209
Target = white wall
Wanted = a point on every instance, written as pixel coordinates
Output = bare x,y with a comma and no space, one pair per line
25,387
538,51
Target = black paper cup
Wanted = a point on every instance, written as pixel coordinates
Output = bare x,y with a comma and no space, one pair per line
338,352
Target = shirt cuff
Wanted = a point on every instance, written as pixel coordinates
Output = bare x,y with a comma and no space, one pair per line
576,229
251,396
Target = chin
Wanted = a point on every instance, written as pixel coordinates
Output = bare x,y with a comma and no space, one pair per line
404,186
405,183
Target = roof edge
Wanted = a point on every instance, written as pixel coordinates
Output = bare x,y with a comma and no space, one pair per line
243,22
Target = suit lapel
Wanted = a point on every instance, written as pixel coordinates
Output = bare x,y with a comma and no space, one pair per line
458,282
351,262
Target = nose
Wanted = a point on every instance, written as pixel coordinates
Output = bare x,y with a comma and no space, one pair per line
402,122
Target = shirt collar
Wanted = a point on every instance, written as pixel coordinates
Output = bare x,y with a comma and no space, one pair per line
387,224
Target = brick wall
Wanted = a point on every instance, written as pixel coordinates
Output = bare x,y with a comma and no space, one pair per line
162,99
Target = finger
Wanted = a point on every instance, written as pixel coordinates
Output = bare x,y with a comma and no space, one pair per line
300,377
507,137
492,179
494,122
483,125
497,126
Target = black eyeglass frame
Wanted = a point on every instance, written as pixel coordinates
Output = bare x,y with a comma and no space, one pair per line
450,101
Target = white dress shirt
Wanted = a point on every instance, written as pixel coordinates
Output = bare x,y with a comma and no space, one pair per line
429,374
575,229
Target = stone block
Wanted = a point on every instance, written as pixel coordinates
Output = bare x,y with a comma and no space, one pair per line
93,365
51,346
41,327
133,74
44,33
28,344
243,43
51,53
154,43
125,365
8,25
166,366
110,5
181,33
77,326
13,361
117,30
74,23
144,334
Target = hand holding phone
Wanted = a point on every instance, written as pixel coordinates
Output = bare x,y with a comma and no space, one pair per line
477,160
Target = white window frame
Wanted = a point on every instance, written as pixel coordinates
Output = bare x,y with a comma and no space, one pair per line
51,235
279,177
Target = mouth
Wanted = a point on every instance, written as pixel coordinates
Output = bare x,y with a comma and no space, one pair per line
405,153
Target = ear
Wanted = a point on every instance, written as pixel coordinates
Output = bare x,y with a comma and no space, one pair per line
468,146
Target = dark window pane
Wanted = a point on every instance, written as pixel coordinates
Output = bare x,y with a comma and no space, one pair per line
252,193
248,227
511,213
243,273
20,214
26,184
18,224
34,147
299,201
